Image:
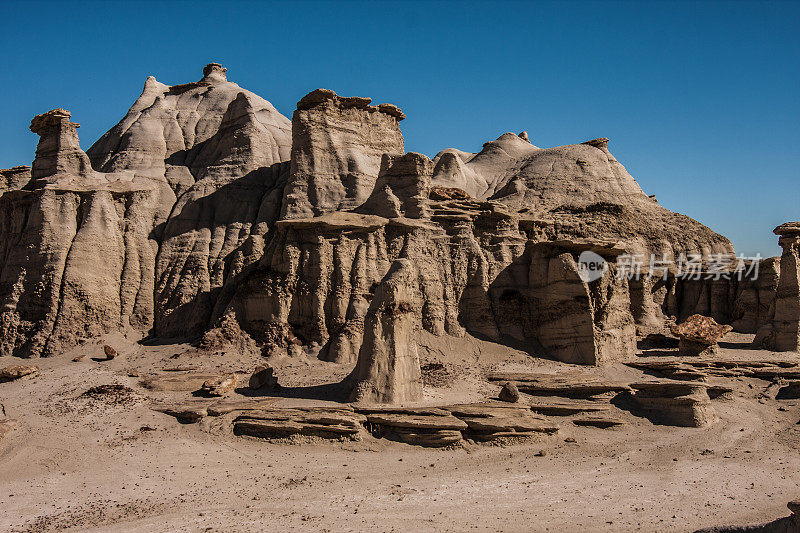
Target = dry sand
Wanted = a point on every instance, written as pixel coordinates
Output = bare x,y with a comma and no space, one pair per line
112,463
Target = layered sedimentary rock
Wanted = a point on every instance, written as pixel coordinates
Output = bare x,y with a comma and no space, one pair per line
387,370
577,321
76,258
14,178
337,145
676,403
214,149
574,191
782,333
740,298
402,188
209,209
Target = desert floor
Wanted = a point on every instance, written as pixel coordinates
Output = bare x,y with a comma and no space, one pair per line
112,463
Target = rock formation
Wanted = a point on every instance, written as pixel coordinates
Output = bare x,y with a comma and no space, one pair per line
574,320
782,333
337,145
676,403
387,370
215,215
699,335
77,253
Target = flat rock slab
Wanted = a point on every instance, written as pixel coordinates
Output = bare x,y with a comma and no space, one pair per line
670,388
321,416
228,406
431,439
13,372
286,428
485,410
568,408
598,422
513,424
416,421
175,381
570,389
434,411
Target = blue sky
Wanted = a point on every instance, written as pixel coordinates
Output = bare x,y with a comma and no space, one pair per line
701,100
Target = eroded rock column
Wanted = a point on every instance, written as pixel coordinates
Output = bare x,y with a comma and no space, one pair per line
388,364
783,332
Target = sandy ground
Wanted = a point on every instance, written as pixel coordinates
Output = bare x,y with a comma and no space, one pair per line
101,464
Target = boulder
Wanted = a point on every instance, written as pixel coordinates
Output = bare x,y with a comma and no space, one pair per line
110,352
219,386
263,378
699,335
509,393
13,372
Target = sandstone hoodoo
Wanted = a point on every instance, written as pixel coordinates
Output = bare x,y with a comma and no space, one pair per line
782,332
699,335
388,370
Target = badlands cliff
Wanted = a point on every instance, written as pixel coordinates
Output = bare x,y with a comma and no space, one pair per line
204,209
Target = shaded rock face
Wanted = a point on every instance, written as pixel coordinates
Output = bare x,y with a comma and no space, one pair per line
387,370
782,332
743,303
337,146
402,188
576,321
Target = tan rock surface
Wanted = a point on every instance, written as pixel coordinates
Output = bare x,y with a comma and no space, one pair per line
12,372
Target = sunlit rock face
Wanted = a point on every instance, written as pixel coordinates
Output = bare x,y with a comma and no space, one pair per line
205,206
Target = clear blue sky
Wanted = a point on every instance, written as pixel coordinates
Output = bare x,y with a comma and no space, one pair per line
701,100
